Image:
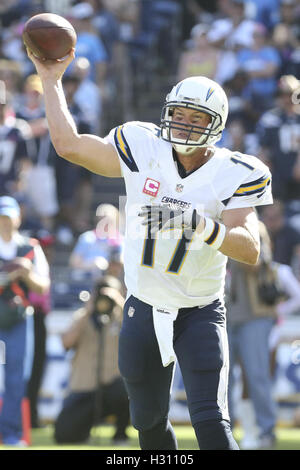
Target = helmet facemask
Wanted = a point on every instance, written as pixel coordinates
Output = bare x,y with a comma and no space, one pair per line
206,135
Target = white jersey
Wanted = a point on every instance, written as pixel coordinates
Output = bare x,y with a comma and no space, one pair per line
169,271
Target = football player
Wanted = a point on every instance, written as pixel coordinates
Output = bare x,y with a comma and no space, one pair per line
190,205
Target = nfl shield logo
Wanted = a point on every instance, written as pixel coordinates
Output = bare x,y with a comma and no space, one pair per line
131,311
179,188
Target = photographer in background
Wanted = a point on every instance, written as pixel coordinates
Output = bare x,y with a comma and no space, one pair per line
96,387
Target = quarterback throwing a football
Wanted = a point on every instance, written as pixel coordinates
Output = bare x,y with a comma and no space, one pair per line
194,204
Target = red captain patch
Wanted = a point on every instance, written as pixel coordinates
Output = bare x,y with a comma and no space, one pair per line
151,187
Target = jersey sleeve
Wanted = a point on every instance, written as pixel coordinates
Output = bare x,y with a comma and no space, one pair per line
254,190
131,141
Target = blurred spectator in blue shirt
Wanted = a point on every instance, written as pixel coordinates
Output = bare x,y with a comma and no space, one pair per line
88,95
261,63
89,44
106,24
94,248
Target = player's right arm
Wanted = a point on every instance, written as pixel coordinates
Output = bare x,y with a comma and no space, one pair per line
90,151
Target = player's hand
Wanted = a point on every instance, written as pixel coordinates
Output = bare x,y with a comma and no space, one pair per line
162,217
51,69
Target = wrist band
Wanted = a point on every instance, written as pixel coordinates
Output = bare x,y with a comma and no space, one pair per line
214,233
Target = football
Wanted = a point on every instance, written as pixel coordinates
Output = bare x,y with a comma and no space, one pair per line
49,36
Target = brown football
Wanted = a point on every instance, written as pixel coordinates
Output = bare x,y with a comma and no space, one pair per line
49,36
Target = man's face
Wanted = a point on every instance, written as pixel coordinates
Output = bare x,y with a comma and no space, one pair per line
186,118
7,224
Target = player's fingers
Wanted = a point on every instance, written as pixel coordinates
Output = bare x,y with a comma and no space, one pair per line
150,221
30,55
36,60
69,57
143,214
146,208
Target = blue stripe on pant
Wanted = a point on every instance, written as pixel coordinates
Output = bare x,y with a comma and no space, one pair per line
201,347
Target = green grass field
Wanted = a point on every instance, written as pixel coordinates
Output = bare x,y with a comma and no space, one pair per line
42,439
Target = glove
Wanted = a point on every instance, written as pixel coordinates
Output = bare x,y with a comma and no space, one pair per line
162,217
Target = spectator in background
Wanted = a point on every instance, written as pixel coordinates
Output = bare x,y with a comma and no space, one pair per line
11,74
259,297
284,237
96,387
236,138
230,33
261,63
250,321
106,24
89,44
201,58
289,21
94,248
38,180
12,46
74,184
88,95
289,15
287,46
240,105
30,273
233,30
278,132
198,11
13,146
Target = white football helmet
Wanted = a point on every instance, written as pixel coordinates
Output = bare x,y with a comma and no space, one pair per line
200,94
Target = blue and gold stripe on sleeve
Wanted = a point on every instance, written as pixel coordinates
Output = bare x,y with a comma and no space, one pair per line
213,236
124,149
257,187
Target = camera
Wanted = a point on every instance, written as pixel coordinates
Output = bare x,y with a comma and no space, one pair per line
103,306
102,300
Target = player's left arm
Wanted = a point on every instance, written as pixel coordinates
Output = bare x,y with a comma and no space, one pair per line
241,241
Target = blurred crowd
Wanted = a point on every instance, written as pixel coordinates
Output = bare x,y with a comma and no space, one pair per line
251,47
